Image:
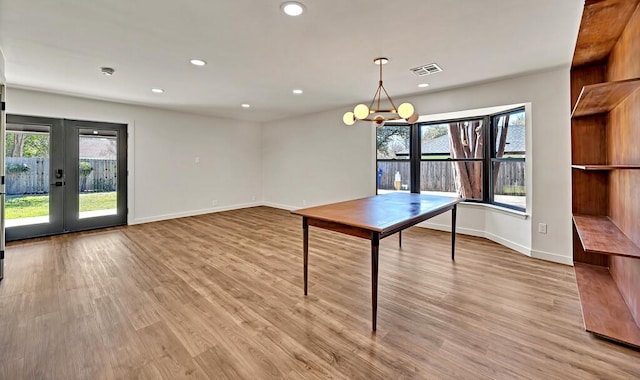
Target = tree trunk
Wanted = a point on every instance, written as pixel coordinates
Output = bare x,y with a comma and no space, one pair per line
466,141
463,184
479,142
18,144
478,147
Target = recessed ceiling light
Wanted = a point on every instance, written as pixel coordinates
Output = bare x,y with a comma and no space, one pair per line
198,62
297,92
108,71
292,8
157,90
245,105
422,85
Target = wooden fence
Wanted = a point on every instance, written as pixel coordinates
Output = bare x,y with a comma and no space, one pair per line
439,176
26,175
31,176
102,178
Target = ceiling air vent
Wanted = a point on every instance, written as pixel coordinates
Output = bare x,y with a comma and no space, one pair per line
431,68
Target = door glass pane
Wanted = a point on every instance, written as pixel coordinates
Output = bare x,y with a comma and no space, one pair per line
97,181
27,174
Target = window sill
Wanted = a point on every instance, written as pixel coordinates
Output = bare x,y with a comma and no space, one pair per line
504,210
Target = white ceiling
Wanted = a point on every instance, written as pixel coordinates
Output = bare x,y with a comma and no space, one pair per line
258,55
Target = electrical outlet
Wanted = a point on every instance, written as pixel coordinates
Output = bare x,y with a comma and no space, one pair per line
304,203
253,198
196,160
542,228
214,202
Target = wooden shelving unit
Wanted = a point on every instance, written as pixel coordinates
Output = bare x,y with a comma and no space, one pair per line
602,303
598,234
603,97
605,94
605,167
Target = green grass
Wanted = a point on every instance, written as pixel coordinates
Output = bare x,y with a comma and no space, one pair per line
513,190
97,201
29,206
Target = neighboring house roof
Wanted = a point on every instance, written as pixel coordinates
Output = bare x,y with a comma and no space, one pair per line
440,145
515,139
98,148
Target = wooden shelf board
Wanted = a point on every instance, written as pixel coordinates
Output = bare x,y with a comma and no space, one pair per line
598,234
601,26
605,167
603,97
603,308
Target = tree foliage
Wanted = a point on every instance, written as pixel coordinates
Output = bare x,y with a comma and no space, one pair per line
391,139
21,144
85,169
434,131
16,167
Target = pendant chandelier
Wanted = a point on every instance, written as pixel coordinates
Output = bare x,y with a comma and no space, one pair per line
376,114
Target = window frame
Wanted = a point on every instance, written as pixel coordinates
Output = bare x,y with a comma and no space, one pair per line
492,157
489,155
484,153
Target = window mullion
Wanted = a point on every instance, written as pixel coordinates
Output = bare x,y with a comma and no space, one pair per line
415,156
487,175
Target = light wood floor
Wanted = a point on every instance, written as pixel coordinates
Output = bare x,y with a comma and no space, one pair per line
220,296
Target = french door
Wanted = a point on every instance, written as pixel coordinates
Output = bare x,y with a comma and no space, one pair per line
63,176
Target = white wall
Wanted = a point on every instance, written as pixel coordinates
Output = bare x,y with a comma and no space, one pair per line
2,77
302,157
314,160
164,179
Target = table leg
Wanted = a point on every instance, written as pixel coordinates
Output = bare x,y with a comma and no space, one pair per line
400,239
305,250
375,244
453,232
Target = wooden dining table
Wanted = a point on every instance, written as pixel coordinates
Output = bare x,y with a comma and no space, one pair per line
375,218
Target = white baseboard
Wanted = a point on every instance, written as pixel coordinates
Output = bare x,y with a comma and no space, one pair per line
483,234
508,243
158,218
447,228
553,257
280,206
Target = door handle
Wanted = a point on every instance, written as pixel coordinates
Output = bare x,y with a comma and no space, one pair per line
59,183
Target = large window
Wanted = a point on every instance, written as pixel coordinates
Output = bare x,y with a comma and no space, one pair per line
481,158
